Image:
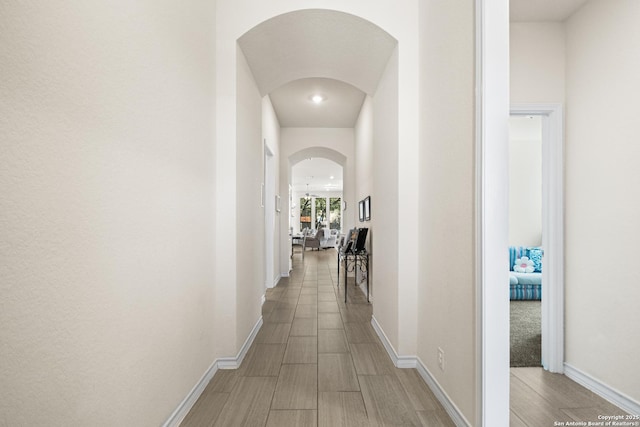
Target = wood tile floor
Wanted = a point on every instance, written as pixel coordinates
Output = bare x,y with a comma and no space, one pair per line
540,399
316,362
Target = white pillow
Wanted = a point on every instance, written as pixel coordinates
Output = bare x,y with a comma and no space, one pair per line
523,265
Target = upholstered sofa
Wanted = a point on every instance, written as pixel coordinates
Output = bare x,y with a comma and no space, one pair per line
329,238
525,285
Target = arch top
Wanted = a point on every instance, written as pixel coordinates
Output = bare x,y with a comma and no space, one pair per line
317,43
323,152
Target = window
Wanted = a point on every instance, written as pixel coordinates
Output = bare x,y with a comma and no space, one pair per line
305,213
321,212
335,211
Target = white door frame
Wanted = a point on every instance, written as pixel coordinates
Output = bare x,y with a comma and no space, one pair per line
492,175
269,215
552,231
492,211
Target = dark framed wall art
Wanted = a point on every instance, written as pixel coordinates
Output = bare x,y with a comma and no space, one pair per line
367,208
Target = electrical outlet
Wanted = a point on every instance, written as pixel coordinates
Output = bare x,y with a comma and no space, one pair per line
441,359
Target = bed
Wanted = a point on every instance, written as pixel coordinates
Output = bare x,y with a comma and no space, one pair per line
525,273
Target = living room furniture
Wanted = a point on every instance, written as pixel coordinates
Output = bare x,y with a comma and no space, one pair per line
312,242
525,286
323,239
329,238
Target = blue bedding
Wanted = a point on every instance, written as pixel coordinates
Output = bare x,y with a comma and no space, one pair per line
525,286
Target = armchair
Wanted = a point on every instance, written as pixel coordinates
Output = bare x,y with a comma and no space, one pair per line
312,242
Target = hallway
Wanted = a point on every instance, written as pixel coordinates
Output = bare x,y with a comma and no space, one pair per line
316,361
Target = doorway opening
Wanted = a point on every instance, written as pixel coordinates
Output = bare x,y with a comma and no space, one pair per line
319,183
269,217
551,256
317,195
525,239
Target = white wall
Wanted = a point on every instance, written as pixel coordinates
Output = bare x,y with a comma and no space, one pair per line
250,235
363,154
364,169
382,161
602,176
525,181
271,133
340,140
537,61
444,221
107,185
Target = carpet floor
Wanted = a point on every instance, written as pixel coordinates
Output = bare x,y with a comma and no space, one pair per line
525,334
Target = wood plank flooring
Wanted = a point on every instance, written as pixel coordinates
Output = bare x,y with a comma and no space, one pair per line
540,399
316,361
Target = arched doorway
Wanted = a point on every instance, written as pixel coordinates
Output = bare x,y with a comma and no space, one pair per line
292,203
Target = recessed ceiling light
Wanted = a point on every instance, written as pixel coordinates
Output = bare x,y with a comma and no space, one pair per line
331,177
317,98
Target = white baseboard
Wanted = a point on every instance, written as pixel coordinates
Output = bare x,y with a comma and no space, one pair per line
414,362
454,412
185,406
222,363
234,362
274,283
619,399
398,361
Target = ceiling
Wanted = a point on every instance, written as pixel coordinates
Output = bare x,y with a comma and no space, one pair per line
543,10
341,56
297,54
340,108
316,172
317,43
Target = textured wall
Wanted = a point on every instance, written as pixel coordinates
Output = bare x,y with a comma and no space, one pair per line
383,168
537,62
250,236
106,210
602,228
525,181
446,295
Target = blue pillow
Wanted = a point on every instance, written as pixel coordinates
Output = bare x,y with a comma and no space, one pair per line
535,255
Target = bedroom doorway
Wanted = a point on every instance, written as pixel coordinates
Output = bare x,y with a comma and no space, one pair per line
525,240
536,220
